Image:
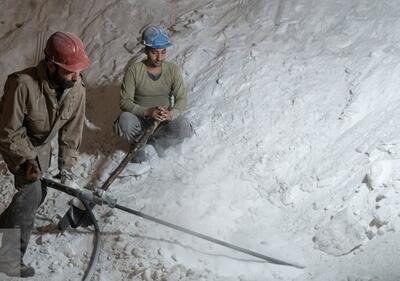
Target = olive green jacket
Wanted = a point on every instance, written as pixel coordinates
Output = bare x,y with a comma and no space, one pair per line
139,92
31,116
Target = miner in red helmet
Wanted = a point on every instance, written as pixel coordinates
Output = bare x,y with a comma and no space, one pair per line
38,104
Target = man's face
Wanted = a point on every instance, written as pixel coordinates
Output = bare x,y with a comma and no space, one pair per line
63,78
156,56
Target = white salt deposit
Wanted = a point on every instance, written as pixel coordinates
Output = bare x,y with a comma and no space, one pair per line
296,154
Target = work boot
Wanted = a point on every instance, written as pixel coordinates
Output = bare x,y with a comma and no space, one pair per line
26,271
12,270
137,169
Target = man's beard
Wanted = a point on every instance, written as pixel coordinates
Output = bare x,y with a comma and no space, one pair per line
154,63
60,82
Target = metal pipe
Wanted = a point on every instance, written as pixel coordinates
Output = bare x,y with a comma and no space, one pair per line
208,238
104,198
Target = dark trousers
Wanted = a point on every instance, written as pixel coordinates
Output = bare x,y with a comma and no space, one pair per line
20,214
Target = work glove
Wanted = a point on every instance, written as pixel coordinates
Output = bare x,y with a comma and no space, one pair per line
32,170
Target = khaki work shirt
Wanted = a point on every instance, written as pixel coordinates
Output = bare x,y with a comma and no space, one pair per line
31,116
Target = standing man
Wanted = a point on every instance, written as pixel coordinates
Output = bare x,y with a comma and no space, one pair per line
38,103
151,90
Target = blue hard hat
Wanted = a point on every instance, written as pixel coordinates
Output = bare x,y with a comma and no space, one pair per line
155,37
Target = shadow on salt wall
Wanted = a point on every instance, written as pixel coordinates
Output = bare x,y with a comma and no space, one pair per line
102,108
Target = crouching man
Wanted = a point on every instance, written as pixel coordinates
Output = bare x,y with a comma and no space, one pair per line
38,103
153,89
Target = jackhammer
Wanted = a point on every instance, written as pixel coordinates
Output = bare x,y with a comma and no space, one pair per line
102,197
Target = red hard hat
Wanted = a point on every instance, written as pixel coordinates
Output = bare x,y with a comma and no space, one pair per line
66,50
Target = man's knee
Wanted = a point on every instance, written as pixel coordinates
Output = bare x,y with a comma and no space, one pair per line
127,126
23,206
30,197
182,128
125,122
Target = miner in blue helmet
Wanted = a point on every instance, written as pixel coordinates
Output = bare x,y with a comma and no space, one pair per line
155,37
153,89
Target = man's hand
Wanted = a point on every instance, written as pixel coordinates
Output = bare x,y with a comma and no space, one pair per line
166,115
32,171
159,113
65,175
